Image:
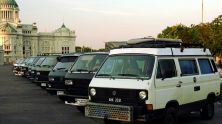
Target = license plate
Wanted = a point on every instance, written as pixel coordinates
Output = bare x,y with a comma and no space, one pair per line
43,84
81,101
60,93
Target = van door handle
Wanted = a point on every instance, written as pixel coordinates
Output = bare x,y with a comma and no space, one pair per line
194,79
178,85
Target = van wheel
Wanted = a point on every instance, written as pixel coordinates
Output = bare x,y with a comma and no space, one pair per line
62,98
207,111
106,121
171,116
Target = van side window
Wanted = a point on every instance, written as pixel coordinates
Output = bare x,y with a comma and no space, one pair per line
188,67
166,68
214,65
205,66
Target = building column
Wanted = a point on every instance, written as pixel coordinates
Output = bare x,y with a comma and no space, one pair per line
5,15
1,56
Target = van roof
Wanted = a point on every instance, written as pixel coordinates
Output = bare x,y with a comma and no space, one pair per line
93,53
163,51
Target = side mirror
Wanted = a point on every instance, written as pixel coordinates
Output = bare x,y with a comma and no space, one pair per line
58,59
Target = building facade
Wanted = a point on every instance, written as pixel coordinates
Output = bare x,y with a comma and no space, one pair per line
1,56
23,40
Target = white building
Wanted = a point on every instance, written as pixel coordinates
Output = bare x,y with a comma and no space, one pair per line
1,56
23,40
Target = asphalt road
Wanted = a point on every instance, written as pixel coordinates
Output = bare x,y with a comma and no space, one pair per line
22,102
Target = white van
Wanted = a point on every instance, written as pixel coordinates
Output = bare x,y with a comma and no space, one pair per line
154,78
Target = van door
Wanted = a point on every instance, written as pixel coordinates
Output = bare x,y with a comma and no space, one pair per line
168,87
189,76
206,79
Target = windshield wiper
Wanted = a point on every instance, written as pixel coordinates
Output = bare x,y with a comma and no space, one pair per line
60,68
46,66
106,75
132,75
103,75
82,70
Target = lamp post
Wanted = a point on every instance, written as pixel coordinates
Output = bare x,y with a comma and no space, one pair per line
202,11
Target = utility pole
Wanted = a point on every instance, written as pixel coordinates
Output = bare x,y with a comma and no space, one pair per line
202,11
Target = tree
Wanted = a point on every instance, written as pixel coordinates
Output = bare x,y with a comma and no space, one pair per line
207,34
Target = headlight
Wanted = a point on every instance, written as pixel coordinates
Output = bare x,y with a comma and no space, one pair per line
142,95
51,79
37,73
68,82
92,92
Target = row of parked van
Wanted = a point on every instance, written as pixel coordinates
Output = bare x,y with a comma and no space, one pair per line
144,80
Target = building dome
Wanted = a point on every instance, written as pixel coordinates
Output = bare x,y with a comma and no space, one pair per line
8,2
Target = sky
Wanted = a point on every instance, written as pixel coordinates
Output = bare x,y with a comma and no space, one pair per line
98,21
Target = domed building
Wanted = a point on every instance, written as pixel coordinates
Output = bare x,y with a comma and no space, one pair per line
23,40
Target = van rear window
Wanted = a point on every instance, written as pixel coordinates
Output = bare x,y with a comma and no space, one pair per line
188,67
214,65
205,66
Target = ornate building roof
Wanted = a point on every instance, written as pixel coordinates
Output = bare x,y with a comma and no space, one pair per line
8,2
7,28
63,28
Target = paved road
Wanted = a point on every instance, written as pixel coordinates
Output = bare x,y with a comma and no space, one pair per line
22,102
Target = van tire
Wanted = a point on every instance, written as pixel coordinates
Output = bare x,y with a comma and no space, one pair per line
62,98
207,110
171,116
106,121
81,109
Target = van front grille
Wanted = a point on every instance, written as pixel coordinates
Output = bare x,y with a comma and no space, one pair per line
106,111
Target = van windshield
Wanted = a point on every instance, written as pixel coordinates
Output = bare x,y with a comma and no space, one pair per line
30,61
49,61
18,61
88,63
127,66
39,62
35,61
25,61
65,62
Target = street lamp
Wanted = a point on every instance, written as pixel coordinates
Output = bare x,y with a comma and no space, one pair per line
202,11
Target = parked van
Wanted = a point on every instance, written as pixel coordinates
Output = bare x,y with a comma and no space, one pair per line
153,78
46,66
28,74
27,64
56,76
34,67
78,78
21,66
16,66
